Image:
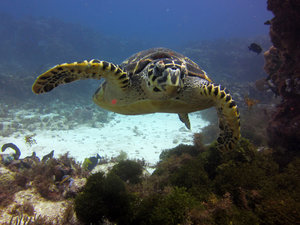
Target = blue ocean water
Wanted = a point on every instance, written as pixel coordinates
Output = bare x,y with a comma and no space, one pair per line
164,23
36,35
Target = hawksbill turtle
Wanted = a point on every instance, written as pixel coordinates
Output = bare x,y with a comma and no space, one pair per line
153,80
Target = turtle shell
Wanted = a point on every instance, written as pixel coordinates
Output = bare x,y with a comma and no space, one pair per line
137,62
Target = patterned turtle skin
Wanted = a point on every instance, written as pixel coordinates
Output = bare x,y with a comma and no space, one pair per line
153,80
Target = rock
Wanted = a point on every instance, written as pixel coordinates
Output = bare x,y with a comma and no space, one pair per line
283,68
6,176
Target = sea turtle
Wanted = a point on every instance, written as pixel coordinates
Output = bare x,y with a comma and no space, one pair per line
153,80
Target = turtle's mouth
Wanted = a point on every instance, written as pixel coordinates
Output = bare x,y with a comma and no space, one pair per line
170,80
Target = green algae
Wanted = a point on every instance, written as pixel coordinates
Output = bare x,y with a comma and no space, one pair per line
202,186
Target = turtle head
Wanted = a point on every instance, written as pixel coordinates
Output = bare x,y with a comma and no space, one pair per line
166,76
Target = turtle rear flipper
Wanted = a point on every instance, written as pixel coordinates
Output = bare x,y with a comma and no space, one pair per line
229,117
69,72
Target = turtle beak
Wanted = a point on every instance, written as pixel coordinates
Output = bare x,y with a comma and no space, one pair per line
173,82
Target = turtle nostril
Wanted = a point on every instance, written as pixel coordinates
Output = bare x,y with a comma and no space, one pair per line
160,65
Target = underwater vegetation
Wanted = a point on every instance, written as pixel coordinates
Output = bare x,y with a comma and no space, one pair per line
129,171
192,184
197,185
103,197
51,177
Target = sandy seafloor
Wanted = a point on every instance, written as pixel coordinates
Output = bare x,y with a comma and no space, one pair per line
141,137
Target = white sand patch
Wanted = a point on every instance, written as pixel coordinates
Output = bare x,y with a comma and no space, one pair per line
142,136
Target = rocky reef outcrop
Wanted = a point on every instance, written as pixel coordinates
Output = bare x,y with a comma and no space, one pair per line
282,63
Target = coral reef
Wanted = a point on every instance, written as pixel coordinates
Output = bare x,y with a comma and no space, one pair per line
27,190
8,186
191,185
283,68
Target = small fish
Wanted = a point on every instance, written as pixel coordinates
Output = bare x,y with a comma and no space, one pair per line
48,156
91,162
255,48
250,102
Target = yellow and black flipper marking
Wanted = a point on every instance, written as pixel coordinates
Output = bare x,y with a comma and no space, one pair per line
229,117
70,72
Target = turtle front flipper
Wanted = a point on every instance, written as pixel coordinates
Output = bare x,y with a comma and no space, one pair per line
229,117
69,72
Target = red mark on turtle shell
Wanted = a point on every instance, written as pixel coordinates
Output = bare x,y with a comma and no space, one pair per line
114,101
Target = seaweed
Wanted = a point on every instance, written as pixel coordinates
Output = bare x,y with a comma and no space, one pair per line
49,178
121,157
171,208
103,198
129,171
243,186
191,185
179,150
8,187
